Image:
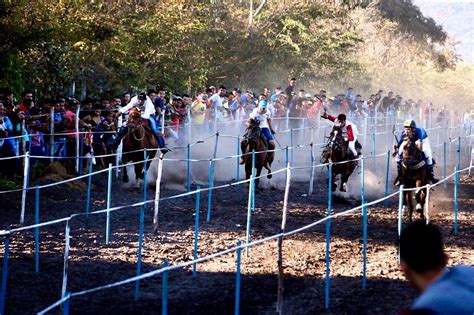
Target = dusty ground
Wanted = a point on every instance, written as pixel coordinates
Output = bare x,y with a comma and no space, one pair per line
92,263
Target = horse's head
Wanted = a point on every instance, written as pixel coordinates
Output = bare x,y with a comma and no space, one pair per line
336,140
412,151
253,129
134,120
336,148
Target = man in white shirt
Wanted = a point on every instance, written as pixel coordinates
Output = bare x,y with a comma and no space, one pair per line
147,110
263,116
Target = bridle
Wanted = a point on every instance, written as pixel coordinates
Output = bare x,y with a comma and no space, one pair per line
135,122
412,157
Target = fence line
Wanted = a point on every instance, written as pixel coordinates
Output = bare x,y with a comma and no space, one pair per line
226,251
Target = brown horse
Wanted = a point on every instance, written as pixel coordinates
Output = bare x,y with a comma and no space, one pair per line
138,138
413,175
255,141
335,151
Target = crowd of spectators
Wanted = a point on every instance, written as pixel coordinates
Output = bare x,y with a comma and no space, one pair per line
48,127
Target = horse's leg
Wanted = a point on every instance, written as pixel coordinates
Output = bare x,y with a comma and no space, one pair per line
344,179
125,173
420,199
138,173
248,171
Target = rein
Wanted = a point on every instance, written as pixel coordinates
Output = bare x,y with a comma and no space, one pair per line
133,133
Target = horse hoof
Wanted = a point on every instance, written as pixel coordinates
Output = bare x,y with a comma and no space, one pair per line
419,208
125,179
269,175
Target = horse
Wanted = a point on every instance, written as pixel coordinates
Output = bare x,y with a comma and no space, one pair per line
335,151
255,141
413,174
138,137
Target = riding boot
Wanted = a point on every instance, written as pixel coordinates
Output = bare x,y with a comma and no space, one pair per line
114,143
161,142
431,174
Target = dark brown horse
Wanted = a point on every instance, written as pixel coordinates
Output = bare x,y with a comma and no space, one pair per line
255,141
335,151
138,137
413,175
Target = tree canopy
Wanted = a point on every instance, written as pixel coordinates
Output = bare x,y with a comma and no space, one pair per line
108,47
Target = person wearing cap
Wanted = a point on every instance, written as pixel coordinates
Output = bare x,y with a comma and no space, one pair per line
419,135
263,116
147,110
424,262
349,130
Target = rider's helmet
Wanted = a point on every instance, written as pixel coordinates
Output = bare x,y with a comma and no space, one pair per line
262,104
341,117
409,123
142,97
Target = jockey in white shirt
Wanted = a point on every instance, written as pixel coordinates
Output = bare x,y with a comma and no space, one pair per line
147,111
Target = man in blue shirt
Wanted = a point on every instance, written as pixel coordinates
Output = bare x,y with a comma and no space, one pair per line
419,135
423,261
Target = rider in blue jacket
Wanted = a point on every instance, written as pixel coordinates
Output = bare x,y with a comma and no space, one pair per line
416,134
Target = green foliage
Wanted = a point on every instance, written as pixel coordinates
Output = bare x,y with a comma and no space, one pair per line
112,46
6,184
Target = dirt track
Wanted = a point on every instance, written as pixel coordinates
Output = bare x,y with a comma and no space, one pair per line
212,291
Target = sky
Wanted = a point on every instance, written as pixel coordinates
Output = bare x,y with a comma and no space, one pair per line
457,18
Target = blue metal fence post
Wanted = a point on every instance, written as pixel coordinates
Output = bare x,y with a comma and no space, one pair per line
387,175
66,304
456,182
188,177
400,213
459,153
374,152
109,196
36,229
253,186
89,183
237,176
4,275
140,231
364,214
237,280
292,146
209,193
249,211
164,296
444,164
66,258
81,150
328,240
196,228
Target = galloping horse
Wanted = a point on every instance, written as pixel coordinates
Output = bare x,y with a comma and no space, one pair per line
138,137
413,175
337,150
255,141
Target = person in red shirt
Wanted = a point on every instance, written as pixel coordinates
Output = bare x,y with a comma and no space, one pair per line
27,102
349,130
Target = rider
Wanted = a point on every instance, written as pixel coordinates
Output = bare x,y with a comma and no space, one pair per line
262,115
349,130
419,135
144,104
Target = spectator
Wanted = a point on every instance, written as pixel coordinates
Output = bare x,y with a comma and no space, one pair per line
423,261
